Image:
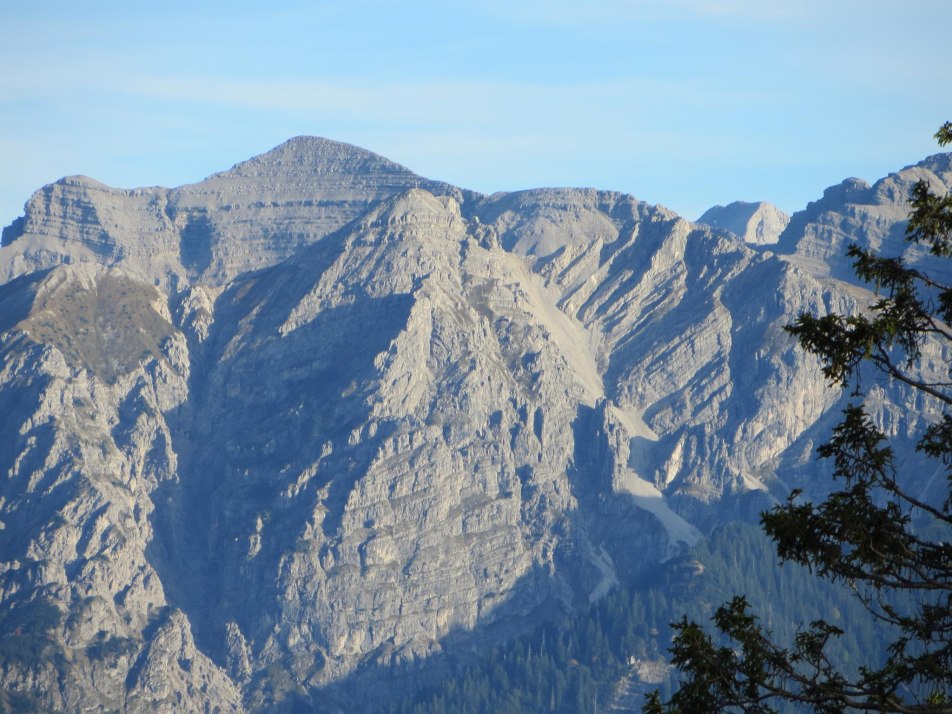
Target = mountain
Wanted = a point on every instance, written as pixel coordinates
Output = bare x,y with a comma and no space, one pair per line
757,223
311,430
253,215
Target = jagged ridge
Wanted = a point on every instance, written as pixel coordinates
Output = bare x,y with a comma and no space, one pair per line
346,418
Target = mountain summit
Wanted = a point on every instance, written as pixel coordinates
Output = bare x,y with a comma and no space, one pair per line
277,437
757,223
304,156
256,213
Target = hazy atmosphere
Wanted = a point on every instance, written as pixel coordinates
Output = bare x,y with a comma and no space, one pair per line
687,104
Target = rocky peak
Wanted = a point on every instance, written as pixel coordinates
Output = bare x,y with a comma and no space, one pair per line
315,417
853,211
541,222
249,217
315,158
759,223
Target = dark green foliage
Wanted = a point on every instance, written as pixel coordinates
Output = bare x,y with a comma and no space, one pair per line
573,666
874,535
11,701
108,648
26,632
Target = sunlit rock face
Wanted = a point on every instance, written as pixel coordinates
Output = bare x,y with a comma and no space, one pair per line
317,419
757,223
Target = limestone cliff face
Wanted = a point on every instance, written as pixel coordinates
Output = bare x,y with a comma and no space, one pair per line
872,216
85,448
757,223
253,215
316,416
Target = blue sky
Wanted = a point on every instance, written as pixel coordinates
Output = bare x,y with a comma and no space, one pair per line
684,103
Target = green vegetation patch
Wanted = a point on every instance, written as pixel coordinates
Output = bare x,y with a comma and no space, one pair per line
108,328
608,656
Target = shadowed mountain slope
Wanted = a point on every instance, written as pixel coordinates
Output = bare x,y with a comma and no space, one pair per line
317,417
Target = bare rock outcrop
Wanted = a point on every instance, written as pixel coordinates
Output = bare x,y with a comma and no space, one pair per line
317,418
757,223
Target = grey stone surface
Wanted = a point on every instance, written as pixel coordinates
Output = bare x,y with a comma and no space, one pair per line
317,416
757,223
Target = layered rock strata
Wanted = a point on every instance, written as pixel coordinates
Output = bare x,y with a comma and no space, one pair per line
316,416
